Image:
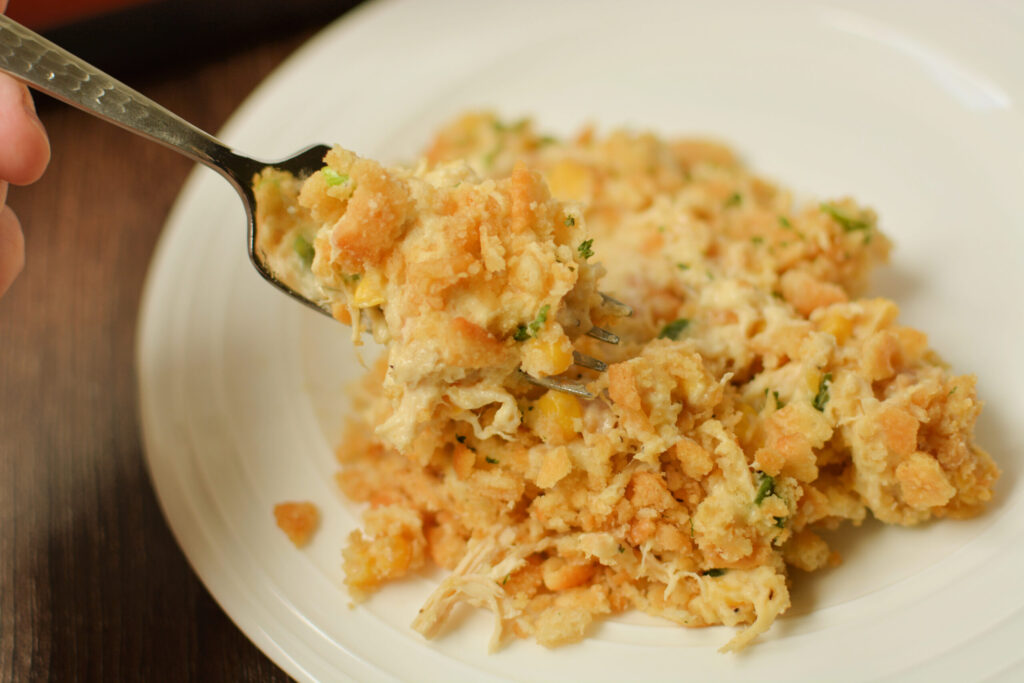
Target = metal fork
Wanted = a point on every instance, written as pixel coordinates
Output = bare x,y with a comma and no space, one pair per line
37,62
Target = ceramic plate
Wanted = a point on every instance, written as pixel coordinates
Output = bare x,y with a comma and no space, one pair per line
914,107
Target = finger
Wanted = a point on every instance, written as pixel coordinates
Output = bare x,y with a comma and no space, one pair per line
12,248
24,148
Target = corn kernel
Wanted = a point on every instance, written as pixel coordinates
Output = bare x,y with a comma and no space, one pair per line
570,180
549,356
368,292
557,412
812,380
839,326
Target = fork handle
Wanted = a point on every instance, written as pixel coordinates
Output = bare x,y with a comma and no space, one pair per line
32,59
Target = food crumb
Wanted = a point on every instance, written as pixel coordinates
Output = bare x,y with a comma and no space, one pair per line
297,519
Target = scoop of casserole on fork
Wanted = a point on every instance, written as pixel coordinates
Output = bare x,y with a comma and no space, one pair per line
475,285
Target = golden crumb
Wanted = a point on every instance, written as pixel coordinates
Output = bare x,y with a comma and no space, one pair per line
298,520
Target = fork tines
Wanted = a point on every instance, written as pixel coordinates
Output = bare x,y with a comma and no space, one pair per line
615,307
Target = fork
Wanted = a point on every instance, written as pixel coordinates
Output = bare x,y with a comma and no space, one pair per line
37,62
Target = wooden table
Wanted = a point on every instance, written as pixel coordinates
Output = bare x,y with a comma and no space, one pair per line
92,584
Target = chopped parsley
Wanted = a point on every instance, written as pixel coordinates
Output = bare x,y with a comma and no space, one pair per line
682,266
778,402
460,438
526,331
585,248
492,155
765,487
757,239
848,223
490,460
952,391
547,140
505,580
571,221
621,549
673,329
332,177
304,250
735,199
713,572
821,398
784,222
661,228
780,522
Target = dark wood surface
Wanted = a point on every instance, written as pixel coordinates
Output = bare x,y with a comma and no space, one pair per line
92,584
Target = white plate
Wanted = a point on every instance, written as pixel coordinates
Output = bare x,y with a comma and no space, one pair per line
913,107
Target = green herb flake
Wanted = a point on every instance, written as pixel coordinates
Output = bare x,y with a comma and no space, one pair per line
765,487
780,522
691,527
460,438
585,248
491,156
674,329
542,317
784,222
713,572
332,177
505,580
490,460
848,223
952,391
524,332
661,228
304,250
571,221
544,140
757,239
778,402
821,398
735,199
682,266
621,549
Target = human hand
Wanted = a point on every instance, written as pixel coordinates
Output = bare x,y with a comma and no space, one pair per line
24,153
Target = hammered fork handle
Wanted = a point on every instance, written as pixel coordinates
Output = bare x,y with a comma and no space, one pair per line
37,62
